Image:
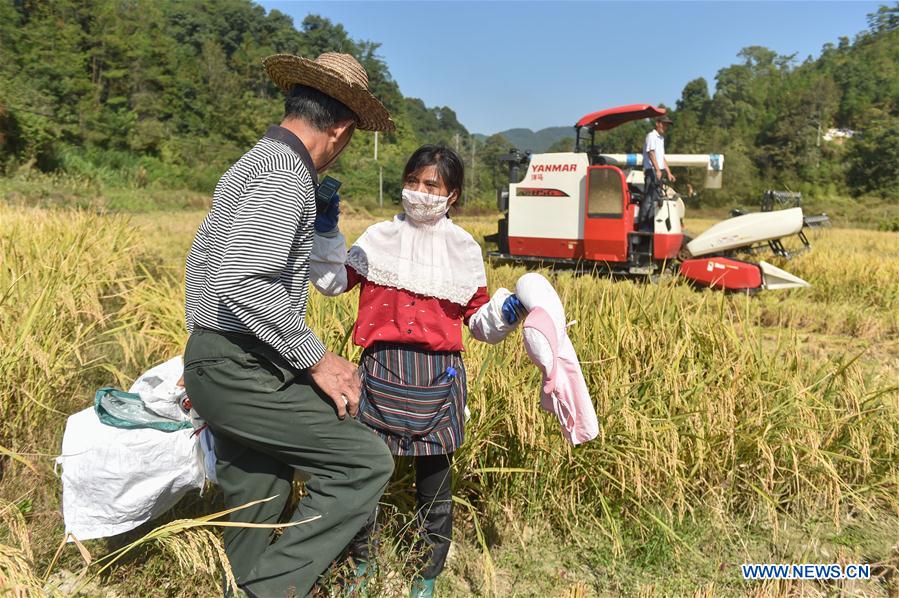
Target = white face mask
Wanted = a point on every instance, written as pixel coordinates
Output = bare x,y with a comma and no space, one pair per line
424,208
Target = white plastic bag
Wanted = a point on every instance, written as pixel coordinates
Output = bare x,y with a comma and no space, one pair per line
158,389
115,479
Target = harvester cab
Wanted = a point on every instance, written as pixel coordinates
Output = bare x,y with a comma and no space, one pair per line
580,209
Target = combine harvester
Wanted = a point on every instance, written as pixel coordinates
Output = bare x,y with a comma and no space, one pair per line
579,209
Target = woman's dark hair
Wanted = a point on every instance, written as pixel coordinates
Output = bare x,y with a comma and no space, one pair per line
449,166
318,109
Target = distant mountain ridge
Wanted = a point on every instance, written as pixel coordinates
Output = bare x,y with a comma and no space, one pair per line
539,141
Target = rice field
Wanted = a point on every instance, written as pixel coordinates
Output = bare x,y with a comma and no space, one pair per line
734,429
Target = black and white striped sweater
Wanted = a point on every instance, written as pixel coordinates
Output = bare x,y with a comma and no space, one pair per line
248,267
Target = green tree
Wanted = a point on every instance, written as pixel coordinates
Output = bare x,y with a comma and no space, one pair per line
874,160
168,93
562,145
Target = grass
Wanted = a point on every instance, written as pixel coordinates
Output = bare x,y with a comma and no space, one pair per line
858,212
733,429
92,193
126,183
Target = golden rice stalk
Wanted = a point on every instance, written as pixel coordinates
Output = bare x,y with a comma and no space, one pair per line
198,550
17,458
578,590
164,533
489,567
85,554
17,576
12,518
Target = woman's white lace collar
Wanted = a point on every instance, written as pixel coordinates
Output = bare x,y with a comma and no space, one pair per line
439,260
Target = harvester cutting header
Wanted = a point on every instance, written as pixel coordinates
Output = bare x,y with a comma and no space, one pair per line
580,209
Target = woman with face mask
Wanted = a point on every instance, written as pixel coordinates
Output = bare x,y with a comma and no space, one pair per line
421,279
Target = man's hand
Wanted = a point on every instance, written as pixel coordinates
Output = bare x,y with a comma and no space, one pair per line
338,378
327,220
658,175
671,177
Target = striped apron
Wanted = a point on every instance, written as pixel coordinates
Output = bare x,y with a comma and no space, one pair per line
411,401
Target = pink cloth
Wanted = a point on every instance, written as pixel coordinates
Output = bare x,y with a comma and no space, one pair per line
564,391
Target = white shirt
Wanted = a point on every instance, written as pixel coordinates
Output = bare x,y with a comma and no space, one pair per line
654,142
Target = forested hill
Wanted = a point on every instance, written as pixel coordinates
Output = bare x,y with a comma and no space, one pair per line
537,141
165,94
771,115
773,119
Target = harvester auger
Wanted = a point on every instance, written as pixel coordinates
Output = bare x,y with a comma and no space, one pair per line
579,210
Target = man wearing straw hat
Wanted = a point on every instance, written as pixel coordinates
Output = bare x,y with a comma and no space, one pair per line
275,399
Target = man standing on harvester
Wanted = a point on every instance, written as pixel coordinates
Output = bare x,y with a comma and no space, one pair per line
653,164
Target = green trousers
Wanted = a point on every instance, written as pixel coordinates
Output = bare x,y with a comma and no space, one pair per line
269,420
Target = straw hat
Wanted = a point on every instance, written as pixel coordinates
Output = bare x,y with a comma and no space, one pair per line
337,75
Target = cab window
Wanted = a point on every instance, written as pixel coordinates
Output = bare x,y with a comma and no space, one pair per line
604,199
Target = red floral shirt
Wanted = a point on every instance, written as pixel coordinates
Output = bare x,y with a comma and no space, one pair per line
394,315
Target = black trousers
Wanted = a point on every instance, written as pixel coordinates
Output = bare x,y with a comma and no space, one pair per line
434,512
651,192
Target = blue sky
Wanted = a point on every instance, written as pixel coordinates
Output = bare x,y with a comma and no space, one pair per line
501,65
